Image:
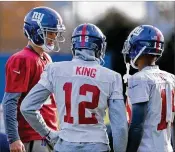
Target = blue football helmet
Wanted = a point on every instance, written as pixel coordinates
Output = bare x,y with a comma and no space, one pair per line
41,21
144,39
90,37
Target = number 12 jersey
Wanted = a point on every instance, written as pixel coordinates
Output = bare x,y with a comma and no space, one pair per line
82,90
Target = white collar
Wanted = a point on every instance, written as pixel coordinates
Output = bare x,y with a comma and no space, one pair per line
150,67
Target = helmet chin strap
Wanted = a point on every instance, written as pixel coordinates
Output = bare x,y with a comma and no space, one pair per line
132,62
47,48
127,75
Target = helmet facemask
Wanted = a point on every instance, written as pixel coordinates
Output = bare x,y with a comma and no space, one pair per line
51,44
101,53
125,51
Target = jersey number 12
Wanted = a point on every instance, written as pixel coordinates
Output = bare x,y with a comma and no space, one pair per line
83,105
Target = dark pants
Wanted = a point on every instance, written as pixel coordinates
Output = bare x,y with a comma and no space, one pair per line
4,144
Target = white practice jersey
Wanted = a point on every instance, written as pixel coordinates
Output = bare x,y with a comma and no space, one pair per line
82,89
157,88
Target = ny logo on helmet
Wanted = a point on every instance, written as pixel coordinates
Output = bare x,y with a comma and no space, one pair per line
37,17
137,31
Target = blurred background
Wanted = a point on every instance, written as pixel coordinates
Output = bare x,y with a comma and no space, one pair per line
115,19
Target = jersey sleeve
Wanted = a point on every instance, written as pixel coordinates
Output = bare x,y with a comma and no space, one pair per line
17,75
46,78
116,88
138,90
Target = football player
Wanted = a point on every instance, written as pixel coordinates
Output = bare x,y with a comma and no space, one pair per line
43,27
83,90
150,91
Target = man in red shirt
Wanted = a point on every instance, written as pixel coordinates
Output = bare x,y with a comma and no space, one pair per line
43,27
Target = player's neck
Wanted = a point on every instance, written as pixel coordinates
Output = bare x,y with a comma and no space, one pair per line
36,49
146,60
141,66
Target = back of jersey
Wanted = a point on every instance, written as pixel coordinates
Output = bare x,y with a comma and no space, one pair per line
82,89
159,92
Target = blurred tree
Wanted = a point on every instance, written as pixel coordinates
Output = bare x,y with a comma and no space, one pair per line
116,27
